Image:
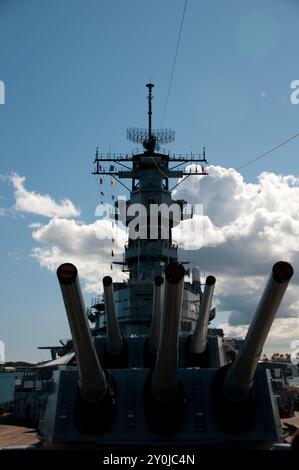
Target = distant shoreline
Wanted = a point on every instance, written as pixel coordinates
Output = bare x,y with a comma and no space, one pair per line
15,366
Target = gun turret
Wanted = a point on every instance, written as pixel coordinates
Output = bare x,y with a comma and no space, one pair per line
236,382
199,338
94,387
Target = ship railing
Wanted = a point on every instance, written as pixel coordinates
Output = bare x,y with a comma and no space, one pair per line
186,156
114,156
175,156
166,243
139,151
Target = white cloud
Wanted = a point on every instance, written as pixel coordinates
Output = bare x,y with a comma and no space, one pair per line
246,229
283,332
249,223
39,204
88,246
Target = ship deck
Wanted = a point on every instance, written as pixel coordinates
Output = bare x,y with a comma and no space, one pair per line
294,421
16,433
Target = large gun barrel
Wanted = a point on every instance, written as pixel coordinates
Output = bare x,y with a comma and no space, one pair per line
239,379
114,337
91,377
199,339
156,314
165,382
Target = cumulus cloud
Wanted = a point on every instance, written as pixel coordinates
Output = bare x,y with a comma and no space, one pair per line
247,227
40,204
284,331
88,246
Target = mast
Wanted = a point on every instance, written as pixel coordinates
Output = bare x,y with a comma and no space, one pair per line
150,246
150,97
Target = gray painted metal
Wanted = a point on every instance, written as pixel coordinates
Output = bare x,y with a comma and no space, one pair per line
130,426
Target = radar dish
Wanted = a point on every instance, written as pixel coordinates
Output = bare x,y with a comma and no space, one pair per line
150,138
142,136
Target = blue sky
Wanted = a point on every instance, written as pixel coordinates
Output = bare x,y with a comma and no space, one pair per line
74,73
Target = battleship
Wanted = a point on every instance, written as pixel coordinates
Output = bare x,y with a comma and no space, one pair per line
151,372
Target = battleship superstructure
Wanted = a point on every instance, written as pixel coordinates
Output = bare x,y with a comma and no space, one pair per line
151,374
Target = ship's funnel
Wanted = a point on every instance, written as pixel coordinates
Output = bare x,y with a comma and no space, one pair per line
239,379
165,381
154,337
114,337
199,339
91,377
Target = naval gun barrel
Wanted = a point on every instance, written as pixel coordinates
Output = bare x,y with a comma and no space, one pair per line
156,314
165,381
91,377
114,337
239,379
199,338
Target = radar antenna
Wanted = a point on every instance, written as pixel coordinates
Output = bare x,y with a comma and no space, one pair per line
150,138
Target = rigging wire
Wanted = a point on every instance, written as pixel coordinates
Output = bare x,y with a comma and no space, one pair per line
268,151
174,62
